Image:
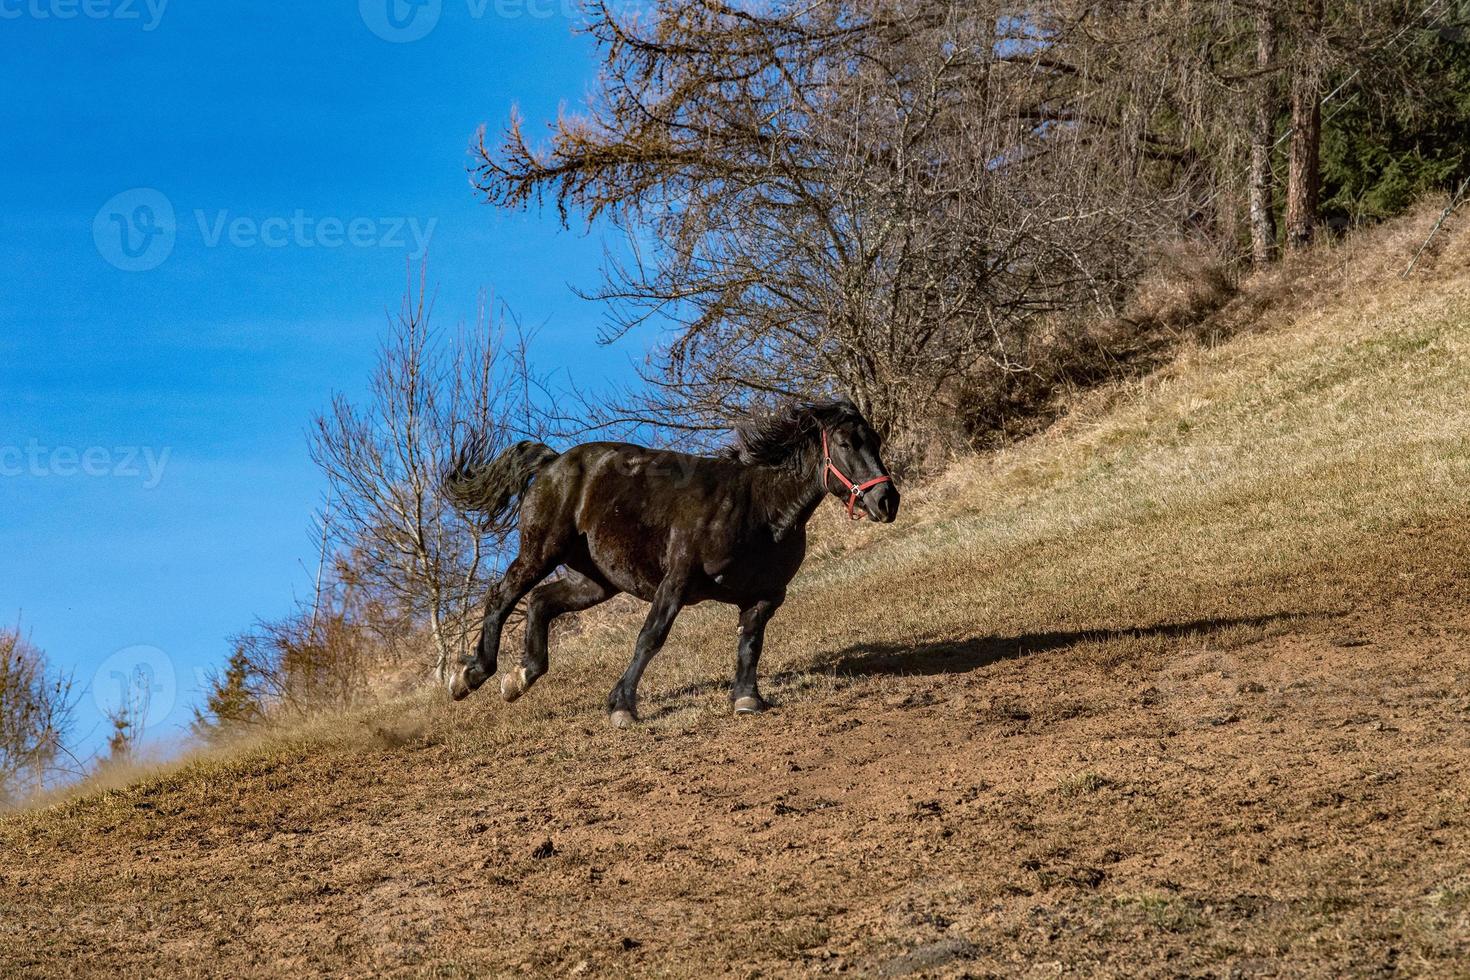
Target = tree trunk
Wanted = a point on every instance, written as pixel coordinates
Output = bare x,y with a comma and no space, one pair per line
1263,119
1304,179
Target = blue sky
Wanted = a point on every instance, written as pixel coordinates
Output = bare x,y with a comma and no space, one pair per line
155,490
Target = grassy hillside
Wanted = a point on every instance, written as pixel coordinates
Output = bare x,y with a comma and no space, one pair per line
1180,687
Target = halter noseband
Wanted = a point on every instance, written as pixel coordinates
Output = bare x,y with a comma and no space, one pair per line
855,490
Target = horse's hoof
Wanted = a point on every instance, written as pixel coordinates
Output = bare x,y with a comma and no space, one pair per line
465,683
622,719
750,705
513,684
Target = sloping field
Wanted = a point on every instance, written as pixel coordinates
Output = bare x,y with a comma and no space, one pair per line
1181,687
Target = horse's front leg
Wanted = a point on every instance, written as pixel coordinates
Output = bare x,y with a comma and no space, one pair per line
622,703
745,695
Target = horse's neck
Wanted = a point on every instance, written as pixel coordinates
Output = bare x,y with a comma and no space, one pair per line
786,498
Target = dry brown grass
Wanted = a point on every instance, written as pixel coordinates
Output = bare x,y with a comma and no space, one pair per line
1178,687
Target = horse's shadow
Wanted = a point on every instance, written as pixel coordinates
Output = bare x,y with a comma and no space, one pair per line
930,659
963,656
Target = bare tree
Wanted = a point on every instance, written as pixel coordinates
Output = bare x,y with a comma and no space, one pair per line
382,459
1213,77
1304,172
876,197
895,198
1263,138
36,715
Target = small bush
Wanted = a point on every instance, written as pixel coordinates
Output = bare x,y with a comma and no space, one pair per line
35,717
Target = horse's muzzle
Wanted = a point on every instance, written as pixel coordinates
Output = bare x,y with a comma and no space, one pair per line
881,503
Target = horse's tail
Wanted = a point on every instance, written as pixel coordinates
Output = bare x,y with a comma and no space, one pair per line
476,483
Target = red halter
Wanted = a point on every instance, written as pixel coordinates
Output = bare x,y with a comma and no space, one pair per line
855,491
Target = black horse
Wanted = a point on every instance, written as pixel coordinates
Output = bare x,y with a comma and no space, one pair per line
669,528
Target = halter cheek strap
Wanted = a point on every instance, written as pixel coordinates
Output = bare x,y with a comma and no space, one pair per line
855,491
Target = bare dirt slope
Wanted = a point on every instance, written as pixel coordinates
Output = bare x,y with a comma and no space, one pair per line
1180,688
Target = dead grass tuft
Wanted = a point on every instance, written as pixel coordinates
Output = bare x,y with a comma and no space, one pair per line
1082,784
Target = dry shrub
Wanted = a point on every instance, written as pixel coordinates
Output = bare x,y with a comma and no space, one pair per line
1313,279
347,647
307,665
35,716
1185,286
1193,294
1450,250
1190,281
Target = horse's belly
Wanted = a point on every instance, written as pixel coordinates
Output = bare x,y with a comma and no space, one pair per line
630,557
761,571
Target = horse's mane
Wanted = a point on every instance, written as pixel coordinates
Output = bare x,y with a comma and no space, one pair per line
784,437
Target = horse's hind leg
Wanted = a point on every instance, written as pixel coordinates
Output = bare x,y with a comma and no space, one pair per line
573,593
520,577
546,533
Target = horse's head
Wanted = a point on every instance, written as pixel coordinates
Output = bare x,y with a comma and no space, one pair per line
853,469
849,467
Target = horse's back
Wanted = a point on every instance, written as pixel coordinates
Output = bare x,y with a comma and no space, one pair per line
633,508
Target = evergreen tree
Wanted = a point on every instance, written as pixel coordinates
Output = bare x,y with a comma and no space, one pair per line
232,702
1385,147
